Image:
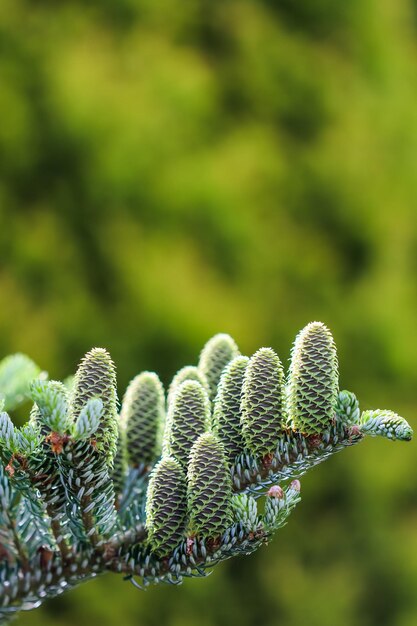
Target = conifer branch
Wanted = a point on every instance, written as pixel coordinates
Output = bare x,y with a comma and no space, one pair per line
84,491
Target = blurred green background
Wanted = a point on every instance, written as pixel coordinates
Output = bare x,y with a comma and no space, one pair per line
173,169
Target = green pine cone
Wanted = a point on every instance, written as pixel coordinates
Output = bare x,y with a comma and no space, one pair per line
226,421
143,414
188,417
209,491
313,380
166,506
216,354
189,372
262,402
96,378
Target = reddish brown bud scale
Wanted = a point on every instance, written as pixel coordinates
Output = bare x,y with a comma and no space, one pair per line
275,492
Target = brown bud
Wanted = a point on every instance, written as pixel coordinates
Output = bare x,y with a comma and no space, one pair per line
314,441
57,442
190,545
45,556
9,468
267,460
275,492
354,430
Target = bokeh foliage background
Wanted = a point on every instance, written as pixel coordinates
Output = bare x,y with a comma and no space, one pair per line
173,169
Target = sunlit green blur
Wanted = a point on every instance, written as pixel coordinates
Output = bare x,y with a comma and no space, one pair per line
173,169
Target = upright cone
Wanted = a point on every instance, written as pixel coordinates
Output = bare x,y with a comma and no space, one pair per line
216,354
313,380
263,402
226,421
96,378
209,493
188,417
142,415
166,506
189,372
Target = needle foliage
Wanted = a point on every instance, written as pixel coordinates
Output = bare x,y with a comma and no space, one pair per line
84,490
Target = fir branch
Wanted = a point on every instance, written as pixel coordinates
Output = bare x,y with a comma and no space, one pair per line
294,455
71,510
